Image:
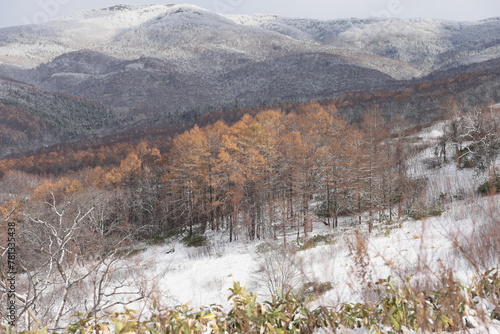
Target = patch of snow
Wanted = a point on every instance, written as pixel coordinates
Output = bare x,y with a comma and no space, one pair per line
135,66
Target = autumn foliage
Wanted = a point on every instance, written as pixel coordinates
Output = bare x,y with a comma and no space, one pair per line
262,176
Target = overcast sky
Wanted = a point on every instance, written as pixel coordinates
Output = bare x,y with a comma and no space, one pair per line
34,11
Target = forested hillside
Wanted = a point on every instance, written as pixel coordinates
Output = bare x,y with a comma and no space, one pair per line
269,178
33,118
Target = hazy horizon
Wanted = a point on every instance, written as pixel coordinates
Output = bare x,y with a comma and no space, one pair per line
38,11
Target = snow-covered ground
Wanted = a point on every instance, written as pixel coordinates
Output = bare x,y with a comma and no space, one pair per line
173,31
202,276
446,182
420,249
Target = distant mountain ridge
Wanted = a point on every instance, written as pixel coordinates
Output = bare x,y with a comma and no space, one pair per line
175,62
133,31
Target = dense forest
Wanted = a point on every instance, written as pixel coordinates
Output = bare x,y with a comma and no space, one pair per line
267,176
239,177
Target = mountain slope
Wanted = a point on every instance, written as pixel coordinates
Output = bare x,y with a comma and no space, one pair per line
172,63
424,43
181,31
205,44
31,117
158,87
425,100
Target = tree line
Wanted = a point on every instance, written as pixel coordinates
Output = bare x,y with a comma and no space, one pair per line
261,176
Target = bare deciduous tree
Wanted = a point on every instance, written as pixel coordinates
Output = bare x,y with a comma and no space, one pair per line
66,259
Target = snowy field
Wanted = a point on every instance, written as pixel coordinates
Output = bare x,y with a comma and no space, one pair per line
348,260
420,249
405,247
202,276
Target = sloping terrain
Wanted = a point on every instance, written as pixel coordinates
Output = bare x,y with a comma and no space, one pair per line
180,32
426,44
420,250
427,99
31,117
162,88
172,63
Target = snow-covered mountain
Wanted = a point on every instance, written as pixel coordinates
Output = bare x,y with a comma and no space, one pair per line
424,43
199,40
226,58
180,32
175,62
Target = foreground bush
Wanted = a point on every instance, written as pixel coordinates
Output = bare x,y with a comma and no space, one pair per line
399,306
